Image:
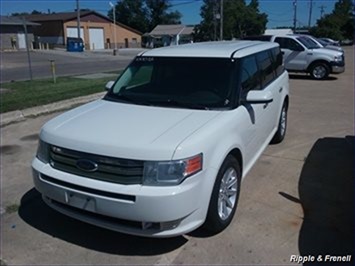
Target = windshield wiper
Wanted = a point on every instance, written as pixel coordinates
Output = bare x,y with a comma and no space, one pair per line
175,103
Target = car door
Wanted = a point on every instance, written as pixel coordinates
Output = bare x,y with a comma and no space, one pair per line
270,86
294,53
254,135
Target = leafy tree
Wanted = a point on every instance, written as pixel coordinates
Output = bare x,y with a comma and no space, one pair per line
158,13
34,12
132,13
207,29
144,15
339,24
239,20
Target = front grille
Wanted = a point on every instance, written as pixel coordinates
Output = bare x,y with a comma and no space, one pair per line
115,170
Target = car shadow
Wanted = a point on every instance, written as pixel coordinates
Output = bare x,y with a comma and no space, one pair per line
308,77
326,190
37,214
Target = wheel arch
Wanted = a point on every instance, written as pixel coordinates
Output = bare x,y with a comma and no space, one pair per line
237,154
322,61
286,101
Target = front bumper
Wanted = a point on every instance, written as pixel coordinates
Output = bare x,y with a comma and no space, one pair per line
337,67
133,209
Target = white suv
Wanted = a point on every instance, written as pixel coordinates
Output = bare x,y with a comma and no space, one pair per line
166,149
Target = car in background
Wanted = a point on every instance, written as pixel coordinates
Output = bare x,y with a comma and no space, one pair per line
302,54
330,41
320,42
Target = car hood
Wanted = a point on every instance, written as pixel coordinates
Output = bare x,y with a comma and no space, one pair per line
335,48
328,52
125,130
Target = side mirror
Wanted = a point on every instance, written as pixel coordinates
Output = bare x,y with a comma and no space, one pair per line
258,97
109,85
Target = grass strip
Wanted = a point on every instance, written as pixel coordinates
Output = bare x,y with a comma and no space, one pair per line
24,94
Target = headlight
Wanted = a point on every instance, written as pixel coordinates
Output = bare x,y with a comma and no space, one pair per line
43,151
170,173
338,58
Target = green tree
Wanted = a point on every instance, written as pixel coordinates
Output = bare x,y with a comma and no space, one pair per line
239,20
339,24
144,15
158,13
207,29
132,13
34,12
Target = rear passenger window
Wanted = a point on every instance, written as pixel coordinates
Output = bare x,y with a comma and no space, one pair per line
250,77
266,67
277,61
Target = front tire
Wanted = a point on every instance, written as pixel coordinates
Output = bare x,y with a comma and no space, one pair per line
225,196
319,70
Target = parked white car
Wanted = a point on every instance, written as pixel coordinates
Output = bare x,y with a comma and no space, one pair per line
165,151
302,54
321,43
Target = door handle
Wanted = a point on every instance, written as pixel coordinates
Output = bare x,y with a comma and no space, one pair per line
281,89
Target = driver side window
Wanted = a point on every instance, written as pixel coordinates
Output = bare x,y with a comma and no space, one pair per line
287,43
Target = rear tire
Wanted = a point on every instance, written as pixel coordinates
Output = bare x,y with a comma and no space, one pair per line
281,129
225,196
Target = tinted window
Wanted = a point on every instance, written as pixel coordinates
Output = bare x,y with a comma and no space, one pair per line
309,43
250,77
265,38
175,82
287,43
266,67
277,61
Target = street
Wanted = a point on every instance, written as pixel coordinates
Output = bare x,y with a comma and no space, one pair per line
15,67
297,200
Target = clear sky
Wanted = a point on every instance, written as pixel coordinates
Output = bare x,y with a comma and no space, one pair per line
280,12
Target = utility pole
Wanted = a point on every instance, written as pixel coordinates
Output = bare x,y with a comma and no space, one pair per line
78,16
310,14
27,48
295,16
322,10
221,22
114,27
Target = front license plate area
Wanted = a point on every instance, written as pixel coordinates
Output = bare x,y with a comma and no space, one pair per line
80,201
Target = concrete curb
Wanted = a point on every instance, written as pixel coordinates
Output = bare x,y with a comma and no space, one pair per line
21,115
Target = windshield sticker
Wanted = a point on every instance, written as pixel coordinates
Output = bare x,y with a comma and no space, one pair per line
144,59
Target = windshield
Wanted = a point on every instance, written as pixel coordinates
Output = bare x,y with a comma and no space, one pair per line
197,83
309,43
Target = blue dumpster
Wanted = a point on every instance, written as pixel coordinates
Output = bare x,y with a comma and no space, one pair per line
75,44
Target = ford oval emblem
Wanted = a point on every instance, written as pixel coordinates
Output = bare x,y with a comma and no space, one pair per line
86,165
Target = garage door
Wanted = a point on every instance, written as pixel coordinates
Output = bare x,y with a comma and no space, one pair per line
96,36
21,40
73,32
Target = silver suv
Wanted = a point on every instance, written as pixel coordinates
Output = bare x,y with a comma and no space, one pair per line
302,54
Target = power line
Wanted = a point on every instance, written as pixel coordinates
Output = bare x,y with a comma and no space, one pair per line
185,3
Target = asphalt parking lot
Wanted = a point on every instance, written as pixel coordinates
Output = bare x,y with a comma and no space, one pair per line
297,200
